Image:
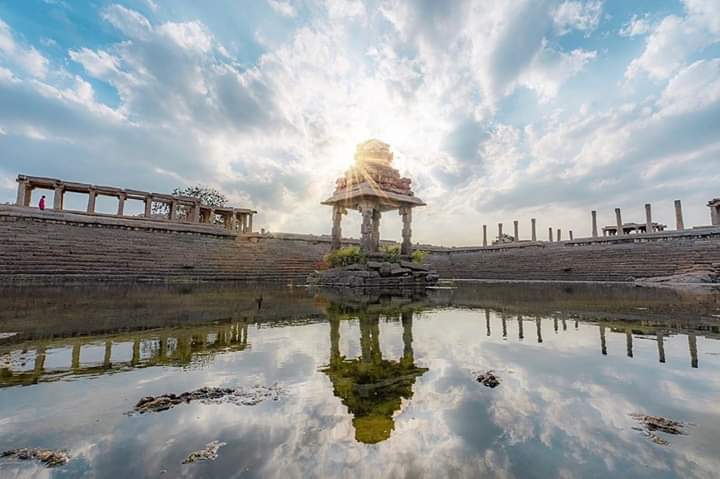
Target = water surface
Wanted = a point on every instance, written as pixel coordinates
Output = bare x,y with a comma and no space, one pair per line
372,386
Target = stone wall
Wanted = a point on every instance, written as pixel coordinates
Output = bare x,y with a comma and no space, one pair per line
59,247
620,259
51,247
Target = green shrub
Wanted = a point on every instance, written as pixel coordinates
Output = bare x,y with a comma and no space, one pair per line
418,256
392,253
345,256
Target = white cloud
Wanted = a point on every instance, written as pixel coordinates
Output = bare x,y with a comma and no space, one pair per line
282,7
675,39
25,57
130,22
577,15
638,25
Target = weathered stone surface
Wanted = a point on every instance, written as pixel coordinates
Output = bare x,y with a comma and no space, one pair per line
210,453
382,274
238,396
414,266
48,457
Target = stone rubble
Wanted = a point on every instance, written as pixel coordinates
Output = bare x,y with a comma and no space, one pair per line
209,395
210,453
48,457
489,379
697,274
652,424
376,274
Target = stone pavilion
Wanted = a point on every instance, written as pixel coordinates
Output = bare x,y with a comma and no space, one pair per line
372,186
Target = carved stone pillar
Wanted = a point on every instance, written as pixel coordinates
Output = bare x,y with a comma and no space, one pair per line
23,193
148,206
500,233
58,196
679,225
406,247
484,235
594,224
571,235
559,234
366,229
532,227
249,225
336,232
376,230
173,210
550,235
516,231
648,218
92,197
618,220
195,215
121,204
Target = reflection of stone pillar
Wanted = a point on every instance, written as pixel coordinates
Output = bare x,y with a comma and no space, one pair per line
108,354
521,334
692,344
618,221
628,342
365,340
92,196
679,225
648,219
408,356
532,227
75,362
594,224
375,352
406,247
564,323
487,321
334,341
661,346
516,230
135,352
603,343
336,232
504,325
539,330
376,230
555,324
39,360
484,235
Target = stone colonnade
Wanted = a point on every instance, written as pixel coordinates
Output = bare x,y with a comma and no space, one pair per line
370,227
236,219
714,206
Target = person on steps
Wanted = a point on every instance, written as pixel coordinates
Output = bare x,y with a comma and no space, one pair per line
41,203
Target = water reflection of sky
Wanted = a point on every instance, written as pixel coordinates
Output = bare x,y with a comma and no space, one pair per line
561,409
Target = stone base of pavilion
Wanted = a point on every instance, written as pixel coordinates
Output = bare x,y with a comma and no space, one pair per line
377,274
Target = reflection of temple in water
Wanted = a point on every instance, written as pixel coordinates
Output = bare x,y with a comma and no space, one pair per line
170,347
635,329
371,387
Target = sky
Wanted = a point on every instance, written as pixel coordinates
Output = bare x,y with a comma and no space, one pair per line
497,110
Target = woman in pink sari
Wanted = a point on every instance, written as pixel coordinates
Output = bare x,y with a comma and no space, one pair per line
41,203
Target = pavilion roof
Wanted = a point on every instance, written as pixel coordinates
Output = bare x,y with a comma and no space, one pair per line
388,199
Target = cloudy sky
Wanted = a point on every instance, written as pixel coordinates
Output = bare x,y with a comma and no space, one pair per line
498,110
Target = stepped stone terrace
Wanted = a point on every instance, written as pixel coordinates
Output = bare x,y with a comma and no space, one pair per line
180,209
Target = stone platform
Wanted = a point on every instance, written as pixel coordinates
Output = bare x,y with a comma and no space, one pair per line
376,274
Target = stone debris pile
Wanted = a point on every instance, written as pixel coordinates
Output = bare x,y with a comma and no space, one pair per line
489,379
696,274
209,395
650,425
376,274
48,457
210,453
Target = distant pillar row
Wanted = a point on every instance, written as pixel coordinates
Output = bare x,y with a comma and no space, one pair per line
532,227
679,225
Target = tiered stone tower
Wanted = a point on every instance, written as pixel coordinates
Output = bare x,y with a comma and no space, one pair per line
372,186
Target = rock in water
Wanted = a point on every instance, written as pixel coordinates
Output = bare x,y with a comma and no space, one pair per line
210,453
238,396
652,424
48,457
488,379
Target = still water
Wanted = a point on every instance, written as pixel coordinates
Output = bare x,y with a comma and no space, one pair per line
368,385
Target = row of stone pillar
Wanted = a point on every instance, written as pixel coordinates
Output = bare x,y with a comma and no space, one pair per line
516,231
370,228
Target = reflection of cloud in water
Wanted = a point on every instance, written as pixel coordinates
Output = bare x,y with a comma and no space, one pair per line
560,403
